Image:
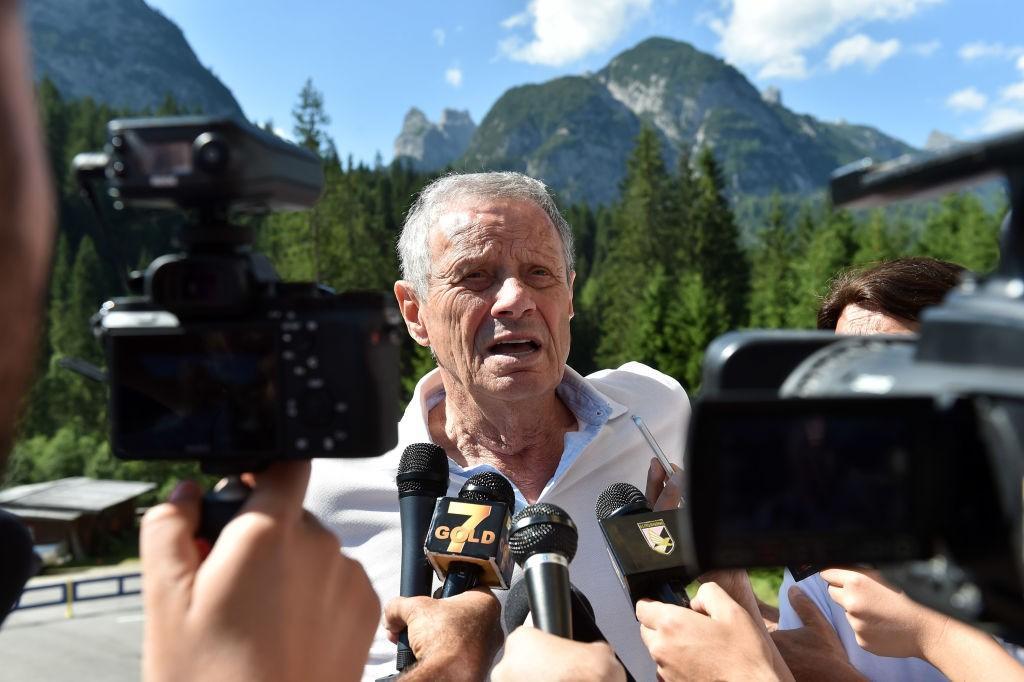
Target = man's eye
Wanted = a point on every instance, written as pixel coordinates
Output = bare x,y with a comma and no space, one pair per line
475,279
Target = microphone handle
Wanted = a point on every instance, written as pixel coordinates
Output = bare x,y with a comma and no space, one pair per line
669,594
584,626
547,583
462,577
416,512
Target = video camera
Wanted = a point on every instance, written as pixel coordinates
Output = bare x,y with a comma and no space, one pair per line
906,452
214,358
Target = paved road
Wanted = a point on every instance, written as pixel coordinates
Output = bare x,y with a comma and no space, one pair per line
102,642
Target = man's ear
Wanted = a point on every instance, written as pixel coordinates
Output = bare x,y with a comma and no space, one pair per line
412,313
572,280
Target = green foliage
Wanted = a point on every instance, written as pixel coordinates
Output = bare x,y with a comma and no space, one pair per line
310,119
772,286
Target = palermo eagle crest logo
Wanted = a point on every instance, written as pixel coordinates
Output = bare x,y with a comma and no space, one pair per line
657,536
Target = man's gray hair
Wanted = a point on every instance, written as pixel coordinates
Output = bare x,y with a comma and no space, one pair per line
439,196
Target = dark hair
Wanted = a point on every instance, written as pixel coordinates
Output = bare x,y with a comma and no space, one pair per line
899,288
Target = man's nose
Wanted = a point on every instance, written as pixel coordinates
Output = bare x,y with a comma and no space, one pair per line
514,299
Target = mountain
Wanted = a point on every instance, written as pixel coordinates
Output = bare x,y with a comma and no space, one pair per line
576,132
122,53
431,146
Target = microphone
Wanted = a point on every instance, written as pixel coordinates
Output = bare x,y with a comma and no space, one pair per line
642,546
584,622
422,478
543,541
468,540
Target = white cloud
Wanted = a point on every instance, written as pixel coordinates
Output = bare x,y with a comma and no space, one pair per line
1002,119
439,36
566,30
453,76
773,35
1013,92
861,48
982,50
516,20
968,99
925,49
283,134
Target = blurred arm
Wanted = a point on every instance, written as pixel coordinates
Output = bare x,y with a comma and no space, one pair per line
26,218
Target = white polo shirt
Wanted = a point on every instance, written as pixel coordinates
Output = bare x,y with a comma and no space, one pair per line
358,498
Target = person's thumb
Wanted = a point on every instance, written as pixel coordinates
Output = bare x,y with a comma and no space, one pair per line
168,550
810,615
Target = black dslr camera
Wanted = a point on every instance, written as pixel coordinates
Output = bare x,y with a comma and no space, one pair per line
215,358
907,452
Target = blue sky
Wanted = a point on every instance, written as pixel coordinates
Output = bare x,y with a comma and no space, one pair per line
904,66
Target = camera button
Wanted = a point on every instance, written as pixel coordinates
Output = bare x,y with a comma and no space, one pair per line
328,444
301,444
312,362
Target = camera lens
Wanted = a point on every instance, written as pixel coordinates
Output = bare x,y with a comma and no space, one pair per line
211,153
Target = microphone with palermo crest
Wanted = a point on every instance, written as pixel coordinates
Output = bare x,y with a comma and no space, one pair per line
643,545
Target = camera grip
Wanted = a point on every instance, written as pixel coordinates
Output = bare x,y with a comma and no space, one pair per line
220,506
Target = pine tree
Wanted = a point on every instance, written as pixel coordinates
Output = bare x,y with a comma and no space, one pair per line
695,317
960,230
717,252
771,289
310,119
626,273
54,115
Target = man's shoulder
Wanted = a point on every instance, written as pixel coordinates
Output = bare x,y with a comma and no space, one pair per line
635,380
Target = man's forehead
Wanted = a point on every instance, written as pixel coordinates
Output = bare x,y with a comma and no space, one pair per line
482,220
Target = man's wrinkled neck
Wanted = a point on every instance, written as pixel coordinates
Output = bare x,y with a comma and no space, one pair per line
522,439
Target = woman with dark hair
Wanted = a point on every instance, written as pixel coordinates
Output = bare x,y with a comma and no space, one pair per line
884,633
886,298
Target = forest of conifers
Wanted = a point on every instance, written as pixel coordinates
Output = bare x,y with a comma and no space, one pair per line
659,274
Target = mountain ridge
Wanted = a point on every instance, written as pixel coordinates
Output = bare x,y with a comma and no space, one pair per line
576,132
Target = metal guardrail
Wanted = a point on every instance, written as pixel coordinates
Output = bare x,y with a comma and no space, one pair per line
69,592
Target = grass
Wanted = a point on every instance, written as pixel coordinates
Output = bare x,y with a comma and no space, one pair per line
765,581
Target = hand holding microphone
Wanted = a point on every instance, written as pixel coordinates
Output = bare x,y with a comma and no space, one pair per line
452,639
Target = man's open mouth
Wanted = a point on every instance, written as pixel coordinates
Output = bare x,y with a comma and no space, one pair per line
518,347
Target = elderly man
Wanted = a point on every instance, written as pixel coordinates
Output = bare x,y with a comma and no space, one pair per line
487,266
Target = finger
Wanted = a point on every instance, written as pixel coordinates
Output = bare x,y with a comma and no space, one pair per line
400,610
671,495
836,576
810,615
655,481
280,490
168,550
838,595
653,614
713,601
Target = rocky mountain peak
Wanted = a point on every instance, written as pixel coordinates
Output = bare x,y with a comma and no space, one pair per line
431,146
122,53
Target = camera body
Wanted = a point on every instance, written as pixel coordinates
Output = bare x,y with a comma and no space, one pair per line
215,358
906,452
